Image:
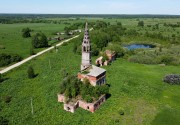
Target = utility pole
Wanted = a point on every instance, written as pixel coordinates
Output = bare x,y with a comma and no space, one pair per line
32,107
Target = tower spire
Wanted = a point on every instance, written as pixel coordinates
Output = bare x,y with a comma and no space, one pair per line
86,27
86,49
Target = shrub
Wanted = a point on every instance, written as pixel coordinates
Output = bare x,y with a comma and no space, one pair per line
166,59
26,32
117,48
39,41
16,58
6,59
105,57
31,72
104,89
172,79
88,99
95,51
63,87
68,93
141,23
73,87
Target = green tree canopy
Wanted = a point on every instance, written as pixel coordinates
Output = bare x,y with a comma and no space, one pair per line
72,87
26,32
117,48
39,41
141,23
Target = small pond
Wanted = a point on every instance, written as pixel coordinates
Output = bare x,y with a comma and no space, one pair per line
138,46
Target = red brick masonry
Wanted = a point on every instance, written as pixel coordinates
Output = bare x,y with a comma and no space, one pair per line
71,107
93,80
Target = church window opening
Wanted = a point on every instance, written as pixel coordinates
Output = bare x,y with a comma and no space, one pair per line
84,48
68,108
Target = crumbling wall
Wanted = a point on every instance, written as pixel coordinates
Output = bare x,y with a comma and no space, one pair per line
61,98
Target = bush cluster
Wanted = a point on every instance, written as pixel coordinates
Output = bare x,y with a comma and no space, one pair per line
101,36
165,56
72,87
6,59
39,41
30,72
26,32
172,79
146,59
142,59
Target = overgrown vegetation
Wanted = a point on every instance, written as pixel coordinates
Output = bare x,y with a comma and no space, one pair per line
73,88
39,41
30,72
115,36
26,32
6,59
167,56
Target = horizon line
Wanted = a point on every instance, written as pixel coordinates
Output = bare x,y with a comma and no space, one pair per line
88,14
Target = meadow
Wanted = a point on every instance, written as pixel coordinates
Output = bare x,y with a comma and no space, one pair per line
137,89
11,36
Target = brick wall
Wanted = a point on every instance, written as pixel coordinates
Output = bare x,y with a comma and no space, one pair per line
61,98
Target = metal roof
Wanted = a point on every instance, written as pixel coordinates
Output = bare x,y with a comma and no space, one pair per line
96,71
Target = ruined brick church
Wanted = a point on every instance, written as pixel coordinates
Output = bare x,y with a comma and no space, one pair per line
95,75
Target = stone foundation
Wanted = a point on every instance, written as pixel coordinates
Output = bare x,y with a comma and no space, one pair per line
92,107
71,107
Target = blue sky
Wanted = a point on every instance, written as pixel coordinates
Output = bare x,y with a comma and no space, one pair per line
91,6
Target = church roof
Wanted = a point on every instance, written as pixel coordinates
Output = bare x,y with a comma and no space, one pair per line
95,71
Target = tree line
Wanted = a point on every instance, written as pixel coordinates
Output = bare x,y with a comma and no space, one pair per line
6,59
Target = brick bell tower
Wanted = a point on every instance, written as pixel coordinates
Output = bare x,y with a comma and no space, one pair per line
86,50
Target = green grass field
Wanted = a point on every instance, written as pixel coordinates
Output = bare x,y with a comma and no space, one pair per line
11,36
136,89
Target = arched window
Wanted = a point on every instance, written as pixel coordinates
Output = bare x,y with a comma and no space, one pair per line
84,49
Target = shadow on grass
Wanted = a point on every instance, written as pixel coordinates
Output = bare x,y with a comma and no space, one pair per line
108,85
3,79
108,96
36,75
